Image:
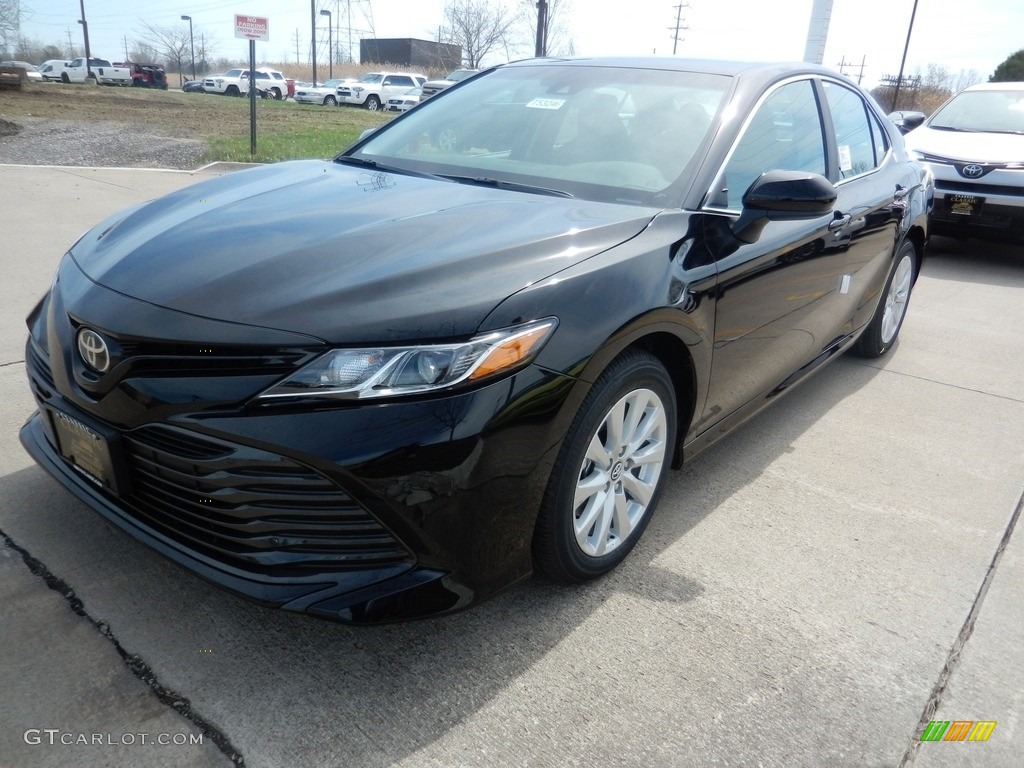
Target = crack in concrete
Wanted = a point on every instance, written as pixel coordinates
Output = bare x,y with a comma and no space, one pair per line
13,362
940,383
135,663
955,653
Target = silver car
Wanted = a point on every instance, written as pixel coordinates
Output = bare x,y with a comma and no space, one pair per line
974,146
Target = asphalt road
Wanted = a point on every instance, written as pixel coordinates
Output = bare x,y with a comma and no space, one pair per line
813,590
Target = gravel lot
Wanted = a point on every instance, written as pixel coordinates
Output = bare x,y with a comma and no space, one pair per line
44,141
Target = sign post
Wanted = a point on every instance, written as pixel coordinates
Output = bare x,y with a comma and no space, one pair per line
252,28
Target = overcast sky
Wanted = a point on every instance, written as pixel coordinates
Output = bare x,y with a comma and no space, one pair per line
956,34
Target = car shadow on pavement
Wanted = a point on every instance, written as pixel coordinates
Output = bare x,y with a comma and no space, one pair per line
290,690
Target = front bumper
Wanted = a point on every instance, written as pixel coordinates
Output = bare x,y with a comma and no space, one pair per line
991,207
362,514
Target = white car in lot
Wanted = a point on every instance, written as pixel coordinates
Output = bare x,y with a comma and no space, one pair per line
406,101
374,89
974,146
325,93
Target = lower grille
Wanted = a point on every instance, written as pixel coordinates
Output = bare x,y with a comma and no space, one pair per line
250,508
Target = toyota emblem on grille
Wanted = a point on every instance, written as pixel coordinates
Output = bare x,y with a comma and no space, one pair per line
93,350
972,171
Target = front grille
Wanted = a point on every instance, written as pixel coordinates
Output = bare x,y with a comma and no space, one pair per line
978,189
250,508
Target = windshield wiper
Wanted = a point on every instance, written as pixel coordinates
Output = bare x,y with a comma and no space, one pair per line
484,181
363,162
951,128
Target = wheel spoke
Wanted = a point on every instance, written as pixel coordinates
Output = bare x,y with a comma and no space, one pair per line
604,524
587,487
613,423
586,520
623,525
638,489
597,453
652,453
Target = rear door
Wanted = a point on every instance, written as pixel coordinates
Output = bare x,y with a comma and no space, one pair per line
871,197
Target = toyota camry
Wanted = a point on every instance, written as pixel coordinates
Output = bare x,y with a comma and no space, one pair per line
474,344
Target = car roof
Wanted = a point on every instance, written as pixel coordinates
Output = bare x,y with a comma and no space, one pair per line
674,64
1007,86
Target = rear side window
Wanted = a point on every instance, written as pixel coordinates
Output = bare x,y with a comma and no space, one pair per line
784,134
854,141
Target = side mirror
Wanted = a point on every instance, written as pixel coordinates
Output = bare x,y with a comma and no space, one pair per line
911,122
783,196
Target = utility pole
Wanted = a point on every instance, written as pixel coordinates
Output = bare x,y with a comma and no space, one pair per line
312,39
85,32
541,48
71,46
863,61
903,61
298,45
679,26
126,56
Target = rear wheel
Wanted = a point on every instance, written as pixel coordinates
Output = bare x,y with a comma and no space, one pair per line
372,103
885,325
609,473
330,101
276,93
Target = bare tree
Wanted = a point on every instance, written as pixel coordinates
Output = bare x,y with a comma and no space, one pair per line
10,25
170,42
479,26
557,35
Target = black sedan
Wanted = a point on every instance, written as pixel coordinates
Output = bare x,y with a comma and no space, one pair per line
390,385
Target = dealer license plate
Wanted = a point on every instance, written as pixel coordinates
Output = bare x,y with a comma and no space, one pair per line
86,449
965,205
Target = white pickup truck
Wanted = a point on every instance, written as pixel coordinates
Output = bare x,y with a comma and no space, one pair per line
101,69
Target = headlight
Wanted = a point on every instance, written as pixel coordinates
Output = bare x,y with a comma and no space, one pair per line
356,374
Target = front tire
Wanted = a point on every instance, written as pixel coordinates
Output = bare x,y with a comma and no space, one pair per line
373,103
609,473
232,90
884,328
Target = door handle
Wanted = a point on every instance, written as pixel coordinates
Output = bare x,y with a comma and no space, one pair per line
841,220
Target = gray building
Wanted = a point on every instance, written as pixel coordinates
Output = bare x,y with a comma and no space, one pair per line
410,52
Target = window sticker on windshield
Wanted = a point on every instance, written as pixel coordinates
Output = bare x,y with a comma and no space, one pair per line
845,159
546,104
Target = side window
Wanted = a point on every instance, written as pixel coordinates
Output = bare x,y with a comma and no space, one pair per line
401,81
880,137
784,134
854,141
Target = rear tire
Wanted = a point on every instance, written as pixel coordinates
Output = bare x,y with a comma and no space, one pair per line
884,328
609,473
330,101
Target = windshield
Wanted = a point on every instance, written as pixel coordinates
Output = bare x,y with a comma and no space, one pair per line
601,133
991,111
371,78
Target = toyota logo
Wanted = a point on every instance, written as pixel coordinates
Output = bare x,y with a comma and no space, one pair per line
973,171
93,350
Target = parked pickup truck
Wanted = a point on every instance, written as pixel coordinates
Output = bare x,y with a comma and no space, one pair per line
121,73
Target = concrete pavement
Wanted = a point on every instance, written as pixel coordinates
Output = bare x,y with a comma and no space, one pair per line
812,587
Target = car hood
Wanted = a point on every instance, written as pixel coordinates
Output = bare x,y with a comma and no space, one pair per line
969,147
345,254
